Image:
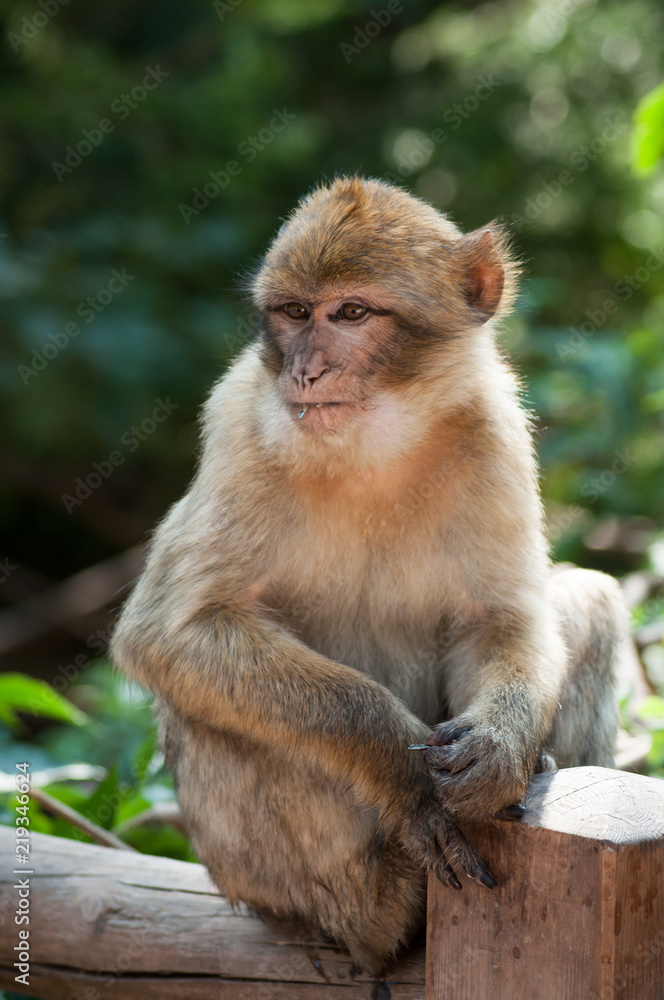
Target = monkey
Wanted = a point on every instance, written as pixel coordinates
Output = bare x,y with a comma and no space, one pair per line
359,566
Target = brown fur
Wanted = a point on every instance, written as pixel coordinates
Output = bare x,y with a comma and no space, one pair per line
333,588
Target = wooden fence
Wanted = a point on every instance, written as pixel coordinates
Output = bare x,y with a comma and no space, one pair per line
578,915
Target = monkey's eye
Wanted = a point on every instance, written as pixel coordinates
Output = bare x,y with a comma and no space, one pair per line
351,310
296,311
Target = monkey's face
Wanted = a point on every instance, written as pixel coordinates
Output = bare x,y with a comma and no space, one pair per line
332,354
372,302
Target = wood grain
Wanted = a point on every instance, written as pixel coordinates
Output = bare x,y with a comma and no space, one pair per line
578,915
105,923
579,910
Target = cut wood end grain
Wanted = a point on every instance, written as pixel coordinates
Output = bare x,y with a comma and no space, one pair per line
598,803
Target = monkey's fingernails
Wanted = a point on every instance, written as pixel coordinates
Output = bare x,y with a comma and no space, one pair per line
515,811
445,874
477,870
487,879
419,746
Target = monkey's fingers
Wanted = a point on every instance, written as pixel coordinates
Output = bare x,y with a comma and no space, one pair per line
457,854
453,758
435,839
448,732
442,869
434,857
460,856
545,762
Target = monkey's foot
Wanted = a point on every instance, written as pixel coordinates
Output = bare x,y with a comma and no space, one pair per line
439,844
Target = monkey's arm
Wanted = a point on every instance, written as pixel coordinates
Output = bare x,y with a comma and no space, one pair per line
232,667
503,683
487,754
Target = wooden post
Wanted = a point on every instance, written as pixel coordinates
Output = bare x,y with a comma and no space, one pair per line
126,926
579,910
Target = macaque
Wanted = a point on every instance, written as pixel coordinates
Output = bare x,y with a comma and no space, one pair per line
360,565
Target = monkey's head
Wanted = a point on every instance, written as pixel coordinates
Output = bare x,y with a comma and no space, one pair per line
370,296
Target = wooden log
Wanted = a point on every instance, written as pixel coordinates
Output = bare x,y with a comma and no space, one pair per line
579,910
114,924
578,915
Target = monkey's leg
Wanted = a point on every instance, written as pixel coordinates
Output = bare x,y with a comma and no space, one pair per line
594,625
277,833
235,670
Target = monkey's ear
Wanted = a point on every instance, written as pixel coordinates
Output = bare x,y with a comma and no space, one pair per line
485,274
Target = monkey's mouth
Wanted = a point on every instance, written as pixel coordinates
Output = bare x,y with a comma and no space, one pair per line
322,415
303,407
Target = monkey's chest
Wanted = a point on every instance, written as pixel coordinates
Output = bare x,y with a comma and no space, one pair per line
391,614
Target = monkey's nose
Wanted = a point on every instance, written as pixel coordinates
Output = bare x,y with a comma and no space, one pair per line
305,375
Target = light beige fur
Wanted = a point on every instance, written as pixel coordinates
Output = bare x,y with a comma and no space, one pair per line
333,588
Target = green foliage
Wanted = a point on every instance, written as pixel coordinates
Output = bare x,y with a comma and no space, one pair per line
648,135
25,694
121,740
521,110
650,713
121,732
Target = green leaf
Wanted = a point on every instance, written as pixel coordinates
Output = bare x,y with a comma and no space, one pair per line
145,757
651,708
647,140
131,807
656,754
19,693
102,805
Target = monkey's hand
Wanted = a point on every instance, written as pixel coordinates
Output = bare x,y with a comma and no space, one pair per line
436,841
481,769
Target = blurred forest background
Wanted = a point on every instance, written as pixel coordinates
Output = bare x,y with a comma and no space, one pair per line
148,154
